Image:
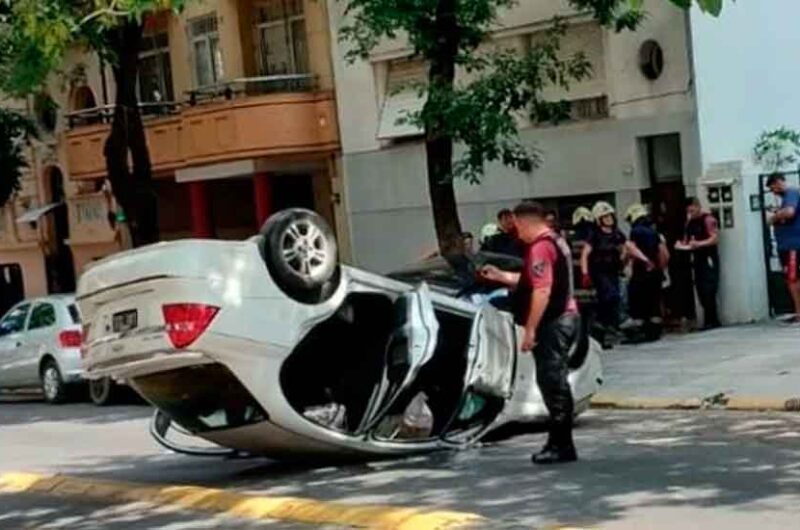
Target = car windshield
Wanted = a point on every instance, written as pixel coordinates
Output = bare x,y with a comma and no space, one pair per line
74,314
14,321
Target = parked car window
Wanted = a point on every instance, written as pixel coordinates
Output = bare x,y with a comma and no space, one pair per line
74,314
43,316
14,321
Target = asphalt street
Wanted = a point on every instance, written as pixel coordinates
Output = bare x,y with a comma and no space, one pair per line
642,470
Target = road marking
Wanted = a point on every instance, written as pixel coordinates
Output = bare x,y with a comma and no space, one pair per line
240,504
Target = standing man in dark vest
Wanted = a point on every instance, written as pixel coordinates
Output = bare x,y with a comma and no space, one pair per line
701,240
544,305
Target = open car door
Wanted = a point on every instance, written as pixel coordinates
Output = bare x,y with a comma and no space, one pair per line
410,346
490,375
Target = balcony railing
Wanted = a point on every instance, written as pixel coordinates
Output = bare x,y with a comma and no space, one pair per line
253,86
104,113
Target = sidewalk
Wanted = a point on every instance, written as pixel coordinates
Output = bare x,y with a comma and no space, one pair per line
750,367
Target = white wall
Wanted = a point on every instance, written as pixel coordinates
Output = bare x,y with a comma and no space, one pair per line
747,69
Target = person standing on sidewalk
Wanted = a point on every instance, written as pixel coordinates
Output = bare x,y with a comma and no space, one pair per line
701,240
601,268
786,221
544,304
647,278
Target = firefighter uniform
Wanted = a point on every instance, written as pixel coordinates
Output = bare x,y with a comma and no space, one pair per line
605,268
645,286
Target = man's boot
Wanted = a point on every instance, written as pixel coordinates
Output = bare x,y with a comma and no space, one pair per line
559,448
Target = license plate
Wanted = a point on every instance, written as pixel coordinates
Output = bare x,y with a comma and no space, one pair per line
125,321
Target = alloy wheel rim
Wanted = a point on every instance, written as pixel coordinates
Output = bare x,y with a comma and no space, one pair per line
305,249
51,382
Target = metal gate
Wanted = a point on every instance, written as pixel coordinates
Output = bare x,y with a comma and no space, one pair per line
780,302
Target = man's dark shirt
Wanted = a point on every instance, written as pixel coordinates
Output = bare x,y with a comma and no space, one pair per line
504,243
647,239
606,256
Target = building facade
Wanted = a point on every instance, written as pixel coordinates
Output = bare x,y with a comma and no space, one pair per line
633,134
671,110
240,117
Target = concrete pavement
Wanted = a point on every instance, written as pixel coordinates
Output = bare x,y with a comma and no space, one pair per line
756,364
639,469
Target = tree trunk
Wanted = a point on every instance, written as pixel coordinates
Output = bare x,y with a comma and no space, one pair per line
132,186
438,144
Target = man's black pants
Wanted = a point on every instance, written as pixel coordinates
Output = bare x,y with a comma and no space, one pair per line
644,295
551,353
706,281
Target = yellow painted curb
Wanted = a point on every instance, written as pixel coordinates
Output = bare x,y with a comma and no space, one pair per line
240,504
602,401
736,403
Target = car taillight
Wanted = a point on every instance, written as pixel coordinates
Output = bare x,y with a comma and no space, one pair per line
186,322
70,339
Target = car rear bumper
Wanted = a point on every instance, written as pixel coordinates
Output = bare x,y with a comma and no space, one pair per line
145,364
71,365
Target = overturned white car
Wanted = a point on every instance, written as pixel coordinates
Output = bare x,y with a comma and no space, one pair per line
270,347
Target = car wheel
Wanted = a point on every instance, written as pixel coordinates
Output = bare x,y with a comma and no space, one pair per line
299,249
53,387
102,391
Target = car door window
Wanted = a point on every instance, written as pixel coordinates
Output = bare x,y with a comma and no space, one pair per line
14,321
43,316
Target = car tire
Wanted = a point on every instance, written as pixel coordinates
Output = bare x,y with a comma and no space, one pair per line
53,386
299,249
103,391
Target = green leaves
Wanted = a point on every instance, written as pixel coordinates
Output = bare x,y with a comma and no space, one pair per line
777,149
483,116
15,132
35,34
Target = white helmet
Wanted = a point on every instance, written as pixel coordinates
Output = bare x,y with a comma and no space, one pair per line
488,230
582,214
635,212
601,209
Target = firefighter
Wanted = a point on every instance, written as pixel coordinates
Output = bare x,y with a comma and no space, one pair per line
582,223
601,267
645,287
544,305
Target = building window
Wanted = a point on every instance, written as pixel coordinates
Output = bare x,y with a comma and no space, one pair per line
281,33
155,71
206,51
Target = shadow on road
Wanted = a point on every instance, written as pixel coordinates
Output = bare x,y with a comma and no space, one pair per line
629,461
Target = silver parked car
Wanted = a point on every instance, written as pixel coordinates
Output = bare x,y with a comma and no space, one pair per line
40,342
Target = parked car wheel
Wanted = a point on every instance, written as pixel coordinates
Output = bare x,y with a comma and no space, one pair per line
103,391
53,387
299,249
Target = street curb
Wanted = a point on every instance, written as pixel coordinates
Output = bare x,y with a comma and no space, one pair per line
720,402
241,505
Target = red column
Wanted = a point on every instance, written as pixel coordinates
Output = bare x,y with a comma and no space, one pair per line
262,191
202,226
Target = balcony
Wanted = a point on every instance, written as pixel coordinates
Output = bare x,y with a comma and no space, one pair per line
272,116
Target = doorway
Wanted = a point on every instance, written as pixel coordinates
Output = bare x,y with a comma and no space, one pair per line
666,196
780,303
60,265
12,287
